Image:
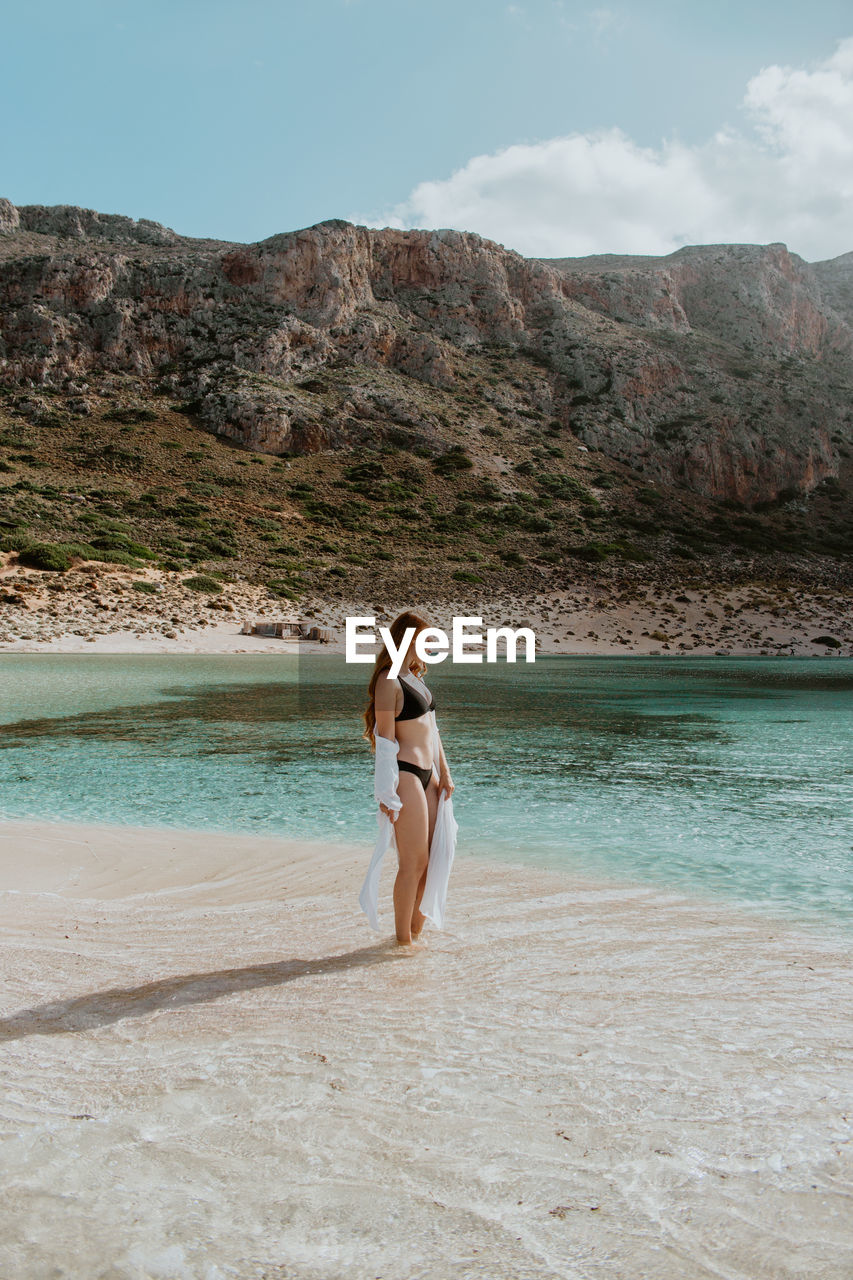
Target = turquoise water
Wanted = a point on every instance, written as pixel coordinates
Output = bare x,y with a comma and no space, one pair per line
728,776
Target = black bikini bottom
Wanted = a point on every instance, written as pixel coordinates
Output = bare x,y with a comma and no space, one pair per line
423,774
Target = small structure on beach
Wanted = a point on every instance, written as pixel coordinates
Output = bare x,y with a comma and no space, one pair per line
287,630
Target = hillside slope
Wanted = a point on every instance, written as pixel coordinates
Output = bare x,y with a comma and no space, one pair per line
277,411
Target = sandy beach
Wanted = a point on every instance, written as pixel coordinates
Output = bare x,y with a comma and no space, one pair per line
213,1068
98,609
596,619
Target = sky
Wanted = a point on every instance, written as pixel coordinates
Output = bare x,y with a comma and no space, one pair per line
556,128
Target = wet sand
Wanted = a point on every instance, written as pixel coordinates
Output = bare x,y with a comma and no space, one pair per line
212,1068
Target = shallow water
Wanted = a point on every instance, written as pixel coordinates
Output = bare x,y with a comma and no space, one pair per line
726,776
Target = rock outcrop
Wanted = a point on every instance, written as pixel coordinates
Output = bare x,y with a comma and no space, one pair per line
760,298
725,369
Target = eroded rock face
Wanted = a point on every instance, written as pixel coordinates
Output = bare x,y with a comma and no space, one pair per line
760,298
70,222
9,216
722,368
835,278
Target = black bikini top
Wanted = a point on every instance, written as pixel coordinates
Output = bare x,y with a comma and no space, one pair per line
414,703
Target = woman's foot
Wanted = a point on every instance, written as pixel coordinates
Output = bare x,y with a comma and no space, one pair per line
414,944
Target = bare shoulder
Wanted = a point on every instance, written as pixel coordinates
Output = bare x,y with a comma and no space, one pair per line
386,690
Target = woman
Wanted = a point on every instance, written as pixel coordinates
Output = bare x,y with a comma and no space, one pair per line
413,787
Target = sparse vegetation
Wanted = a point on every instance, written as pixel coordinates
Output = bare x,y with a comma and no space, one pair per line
203,582
473,486
455,459
50,556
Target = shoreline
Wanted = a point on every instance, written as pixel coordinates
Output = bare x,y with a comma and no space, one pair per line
194,860
203,644
108,613
571,1079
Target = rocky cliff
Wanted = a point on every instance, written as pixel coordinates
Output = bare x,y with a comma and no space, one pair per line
725,370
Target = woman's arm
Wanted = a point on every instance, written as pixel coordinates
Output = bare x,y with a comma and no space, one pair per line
385,705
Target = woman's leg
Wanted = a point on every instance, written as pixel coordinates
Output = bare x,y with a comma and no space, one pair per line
418,919
411,831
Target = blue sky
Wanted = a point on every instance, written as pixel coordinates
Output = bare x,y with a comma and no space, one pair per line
240,120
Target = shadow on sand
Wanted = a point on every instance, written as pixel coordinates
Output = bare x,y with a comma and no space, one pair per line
100,1008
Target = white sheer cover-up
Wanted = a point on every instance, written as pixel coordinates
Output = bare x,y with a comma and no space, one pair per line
442,847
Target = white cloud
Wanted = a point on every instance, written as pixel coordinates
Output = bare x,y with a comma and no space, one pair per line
788,175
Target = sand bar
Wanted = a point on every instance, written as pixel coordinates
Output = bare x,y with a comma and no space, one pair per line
212,1068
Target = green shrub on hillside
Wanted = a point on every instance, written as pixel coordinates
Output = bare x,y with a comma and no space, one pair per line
456,459
264,524
15,538
121,542
56,557
516,515
628,550
564,488
129,413
50,556
214,549
202,582
511,557
486,491
592,551
597,551
366,471
288,587
105,557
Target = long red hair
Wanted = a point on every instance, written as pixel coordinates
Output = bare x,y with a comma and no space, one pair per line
398,629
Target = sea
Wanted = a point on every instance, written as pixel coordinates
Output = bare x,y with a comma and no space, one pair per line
731,778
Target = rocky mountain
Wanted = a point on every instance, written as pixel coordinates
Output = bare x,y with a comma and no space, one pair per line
341,410
726,370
